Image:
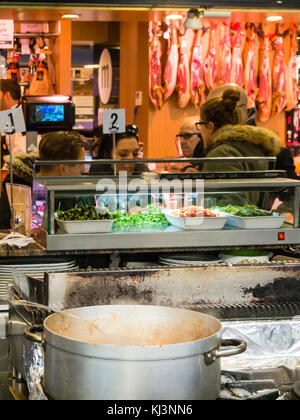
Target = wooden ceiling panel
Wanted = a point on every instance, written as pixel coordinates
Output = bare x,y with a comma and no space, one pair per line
39,14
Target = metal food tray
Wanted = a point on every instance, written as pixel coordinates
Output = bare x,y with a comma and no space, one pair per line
255,222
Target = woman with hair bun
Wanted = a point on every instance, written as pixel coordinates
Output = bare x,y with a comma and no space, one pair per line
225,136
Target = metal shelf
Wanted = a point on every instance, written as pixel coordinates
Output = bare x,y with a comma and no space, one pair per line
172,240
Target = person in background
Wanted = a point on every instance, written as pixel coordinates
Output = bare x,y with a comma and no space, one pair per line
127,147
225,136
190,142
190,139
10,98
284,160
62,145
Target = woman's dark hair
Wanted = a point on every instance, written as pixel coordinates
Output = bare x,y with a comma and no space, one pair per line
60,145
222,110
106,142
106,149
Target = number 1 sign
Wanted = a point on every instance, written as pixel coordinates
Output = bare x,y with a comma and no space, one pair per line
114,121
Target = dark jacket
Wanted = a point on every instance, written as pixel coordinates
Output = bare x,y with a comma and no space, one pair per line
242,141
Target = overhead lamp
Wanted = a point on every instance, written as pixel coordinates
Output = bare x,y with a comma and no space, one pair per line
91,66
193,19
174,16
274,18
70,16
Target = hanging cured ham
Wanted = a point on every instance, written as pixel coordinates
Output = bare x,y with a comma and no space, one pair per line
41,83
210,63
183,74
238,41
279,78
224,66
292,85
250,70
264,99
155,72
197,72
13,68
171,67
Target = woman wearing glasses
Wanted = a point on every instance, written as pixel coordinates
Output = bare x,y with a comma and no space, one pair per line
127,147
225,136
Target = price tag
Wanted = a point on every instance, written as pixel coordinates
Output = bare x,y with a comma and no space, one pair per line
12,121
114,121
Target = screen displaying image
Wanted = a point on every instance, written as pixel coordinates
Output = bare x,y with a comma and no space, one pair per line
50,113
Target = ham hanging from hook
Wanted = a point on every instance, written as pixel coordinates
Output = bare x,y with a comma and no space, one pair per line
197,71
279,75
238,41
210,63
171,67
183,75
264,99
224,66
250,71
155,72
292,84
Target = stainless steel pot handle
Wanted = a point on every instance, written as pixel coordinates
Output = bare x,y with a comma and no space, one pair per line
238,347
35,334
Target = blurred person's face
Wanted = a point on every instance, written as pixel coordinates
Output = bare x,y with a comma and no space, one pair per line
188,139
6,101
127,148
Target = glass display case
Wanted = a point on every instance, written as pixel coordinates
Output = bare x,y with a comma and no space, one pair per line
161,209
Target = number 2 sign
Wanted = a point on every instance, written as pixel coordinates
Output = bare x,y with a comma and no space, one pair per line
114,121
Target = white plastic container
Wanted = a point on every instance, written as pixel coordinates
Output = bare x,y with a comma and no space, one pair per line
85,226
235,259
196,223
256,222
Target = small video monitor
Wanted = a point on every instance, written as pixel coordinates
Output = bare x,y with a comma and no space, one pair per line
50,113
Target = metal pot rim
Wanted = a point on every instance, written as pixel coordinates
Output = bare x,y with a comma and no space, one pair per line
123,352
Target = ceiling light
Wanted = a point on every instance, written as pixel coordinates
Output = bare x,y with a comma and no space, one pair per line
193,19
174,16
217,14
91,66
274,18
70,16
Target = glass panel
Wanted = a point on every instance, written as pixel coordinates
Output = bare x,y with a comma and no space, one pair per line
150,201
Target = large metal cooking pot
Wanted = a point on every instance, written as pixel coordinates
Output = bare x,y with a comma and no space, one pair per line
144,352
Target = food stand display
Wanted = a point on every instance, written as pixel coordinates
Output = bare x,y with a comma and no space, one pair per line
52,191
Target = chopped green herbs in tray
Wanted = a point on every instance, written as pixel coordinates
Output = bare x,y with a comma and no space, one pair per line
82,214
248,210
151,219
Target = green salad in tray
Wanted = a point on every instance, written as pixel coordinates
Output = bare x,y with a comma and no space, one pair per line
151,219
248,210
